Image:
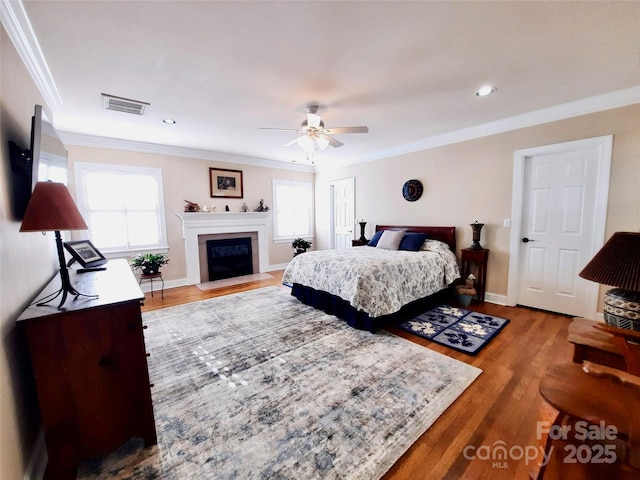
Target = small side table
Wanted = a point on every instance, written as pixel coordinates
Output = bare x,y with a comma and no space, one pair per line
151,277
594,345
475,261
359,243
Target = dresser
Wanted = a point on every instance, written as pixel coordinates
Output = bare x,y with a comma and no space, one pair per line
90,368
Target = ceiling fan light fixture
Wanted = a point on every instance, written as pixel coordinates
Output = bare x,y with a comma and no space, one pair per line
485,91
306,143
323,142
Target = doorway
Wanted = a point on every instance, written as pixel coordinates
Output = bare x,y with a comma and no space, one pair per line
558,215
343,218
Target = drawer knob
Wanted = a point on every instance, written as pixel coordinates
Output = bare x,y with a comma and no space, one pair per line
145,327
151,385
148,354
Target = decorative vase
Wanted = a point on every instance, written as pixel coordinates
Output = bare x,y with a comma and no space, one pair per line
362,237
476,227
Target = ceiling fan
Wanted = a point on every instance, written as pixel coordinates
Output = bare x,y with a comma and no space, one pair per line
314,134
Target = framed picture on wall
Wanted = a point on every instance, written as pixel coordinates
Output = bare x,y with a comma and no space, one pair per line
225,183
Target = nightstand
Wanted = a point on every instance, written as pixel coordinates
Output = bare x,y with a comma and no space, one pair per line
475,261
359,243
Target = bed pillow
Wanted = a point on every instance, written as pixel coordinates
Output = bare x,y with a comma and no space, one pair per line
376,237
412,241
435,246
390,239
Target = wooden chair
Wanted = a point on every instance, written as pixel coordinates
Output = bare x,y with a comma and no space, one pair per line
597,395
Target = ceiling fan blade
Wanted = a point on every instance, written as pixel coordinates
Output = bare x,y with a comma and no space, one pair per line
336,130
292,142
313,120
332,141
280,129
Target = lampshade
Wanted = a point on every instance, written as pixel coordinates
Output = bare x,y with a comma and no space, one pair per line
51,208
617,263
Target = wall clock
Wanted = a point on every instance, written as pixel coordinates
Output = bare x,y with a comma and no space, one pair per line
412,190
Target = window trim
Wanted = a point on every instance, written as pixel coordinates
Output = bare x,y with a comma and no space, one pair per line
286,239
80,168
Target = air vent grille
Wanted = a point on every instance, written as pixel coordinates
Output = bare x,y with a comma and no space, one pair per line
125,105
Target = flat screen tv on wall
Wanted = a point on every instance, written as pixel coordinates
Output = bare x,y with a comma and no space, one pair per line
48,152
46,160
20,185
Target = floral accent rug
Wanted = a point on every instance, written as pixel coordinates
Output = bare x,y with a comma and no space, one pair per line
258,385
457,328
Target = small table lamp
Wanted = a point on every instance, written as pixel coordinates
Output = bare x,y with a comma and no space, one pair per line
476,228
51,208
618,264
362,225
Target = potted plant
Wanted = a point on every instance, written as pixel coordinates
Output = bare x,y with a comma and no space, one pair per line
300,245
148,263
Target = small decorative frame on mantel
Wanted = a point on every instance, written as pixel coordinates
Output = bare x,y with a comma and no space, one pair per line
225,183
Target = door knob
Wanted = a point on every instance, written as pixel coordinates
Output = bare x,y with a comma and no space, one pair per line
526,240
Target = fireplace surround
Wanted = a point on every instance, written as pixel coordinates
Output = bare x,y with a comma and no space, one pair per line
199,224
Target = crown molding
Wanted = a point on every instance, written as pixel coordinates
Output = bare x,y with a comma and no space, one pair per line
607,101
16,22
133,146
598,103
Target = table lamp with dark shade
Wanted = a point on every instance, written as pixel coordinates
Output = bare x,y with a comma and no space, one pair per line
618,264
51,208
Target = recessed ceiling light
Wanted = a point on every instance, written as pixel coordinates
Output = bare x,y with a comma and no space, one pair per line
484,91
170,121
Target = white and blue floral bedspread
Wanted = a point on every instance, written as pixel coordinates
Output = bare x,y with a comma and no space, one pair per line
374,280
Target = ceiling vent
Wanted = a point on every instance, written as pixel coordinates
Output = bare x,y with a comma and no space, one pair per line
125,105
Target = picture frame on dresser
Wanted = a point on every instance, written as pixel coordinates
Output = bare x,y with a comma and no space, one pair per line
226,183
85,253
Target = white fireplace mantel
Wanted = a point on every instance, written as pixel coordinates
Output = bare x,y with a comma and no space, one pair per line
195,224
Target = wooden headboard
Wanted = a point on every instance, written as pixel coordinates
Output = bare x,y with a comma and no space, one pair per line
444,234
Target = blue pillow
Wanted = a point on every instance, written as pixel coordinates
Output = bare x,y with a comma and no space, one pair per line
376,237
412,241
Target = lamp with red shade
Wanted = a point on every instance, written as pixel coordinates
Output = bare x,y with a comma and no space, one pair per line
51,208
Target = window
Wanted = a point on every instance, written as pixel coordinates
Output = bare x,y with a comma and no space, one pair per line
292,210
123,206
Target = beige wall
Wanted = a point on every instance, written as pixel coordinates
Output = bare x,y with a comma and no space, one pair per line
27,262
188,179
472,180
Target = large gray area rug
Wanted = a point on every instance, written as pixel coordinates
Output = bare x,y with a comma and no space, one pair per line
257,385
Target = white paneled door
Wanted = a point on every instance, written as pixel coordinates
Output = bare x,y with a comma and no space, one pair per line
342,212
560,229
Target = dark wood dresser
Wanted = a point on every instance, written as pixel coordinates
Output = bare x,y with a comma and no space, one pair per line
90,368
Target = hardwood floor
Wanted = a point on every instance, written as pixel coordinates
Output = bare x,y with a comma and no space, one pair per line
500,408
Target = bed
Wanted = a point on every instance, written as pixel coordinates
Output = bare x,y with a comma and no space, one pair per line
369,286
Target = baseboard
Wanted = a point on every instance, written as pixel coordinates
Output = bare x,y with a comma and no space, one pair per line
495,298
280,266
180,282
38,460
